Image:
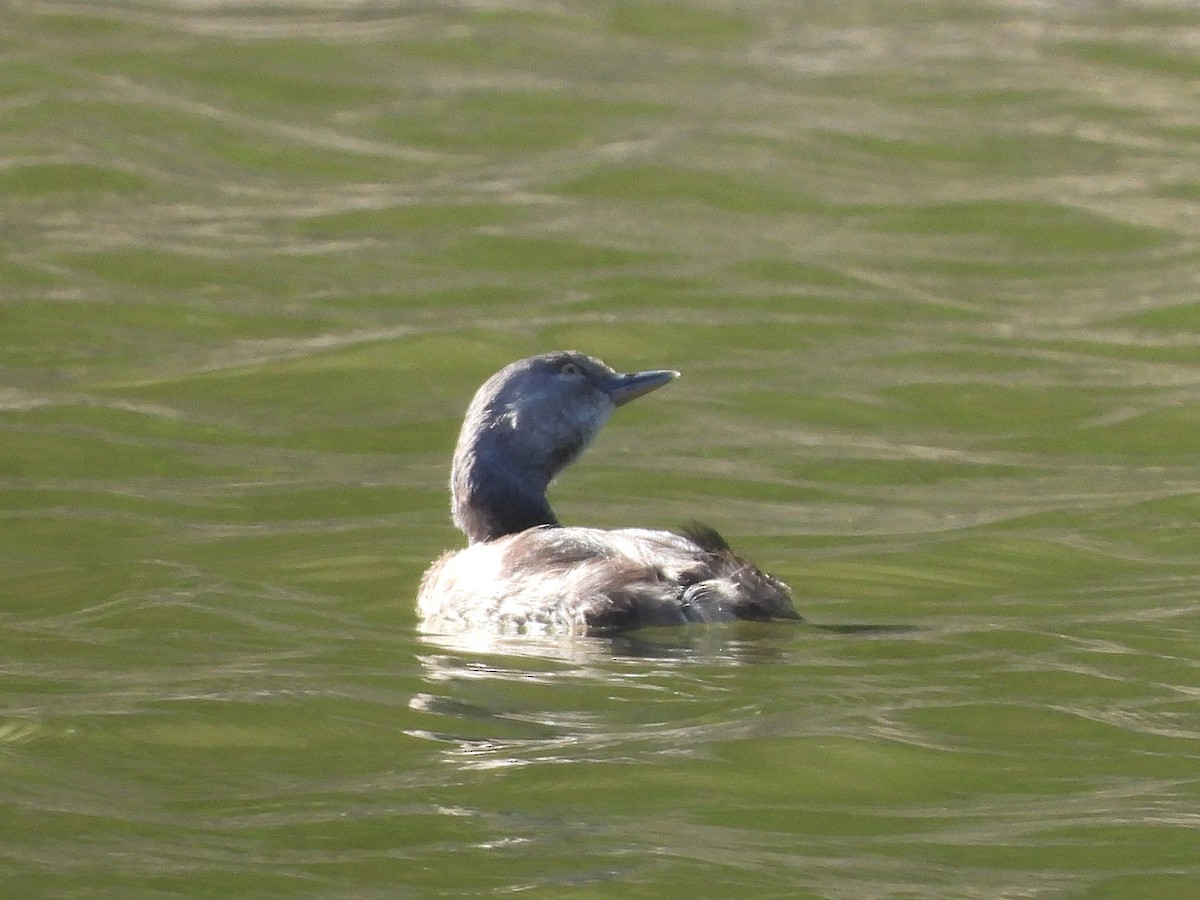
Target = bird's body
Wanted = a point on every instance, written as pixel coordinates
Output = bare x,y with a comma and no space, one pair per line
522,571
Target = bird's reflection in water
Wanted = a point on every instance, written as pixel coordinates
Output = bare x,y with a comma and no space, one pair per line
495,701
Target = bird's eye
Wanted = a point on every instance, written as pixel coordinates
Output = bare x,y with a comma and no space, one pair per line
571,369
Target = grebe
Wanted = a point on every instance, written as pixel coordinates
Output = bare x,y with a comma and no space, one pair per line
522,572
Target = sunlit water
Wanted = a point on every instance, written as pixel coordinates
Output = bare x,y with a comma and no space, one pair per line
930,272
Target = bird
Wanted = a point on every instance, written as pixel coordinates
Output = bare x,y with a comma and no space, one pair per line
522,571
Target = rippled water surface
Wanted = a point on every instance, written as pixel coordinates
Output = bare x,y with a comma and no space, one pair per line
930,271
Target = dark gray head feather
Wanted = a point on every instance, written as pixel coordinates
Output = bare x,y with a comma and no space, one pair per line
525,424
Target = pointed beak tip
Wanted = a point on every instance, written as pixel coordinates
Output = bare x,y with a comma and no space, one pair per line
630,387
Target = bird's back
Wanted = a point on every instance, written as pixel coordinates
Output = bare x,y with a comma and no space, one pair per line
576,580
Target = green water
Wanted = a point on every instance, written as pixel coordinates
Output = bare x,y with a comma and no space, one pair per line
931,273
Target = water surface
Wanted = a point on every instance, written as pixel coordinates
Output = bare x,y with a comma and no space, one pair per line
930,272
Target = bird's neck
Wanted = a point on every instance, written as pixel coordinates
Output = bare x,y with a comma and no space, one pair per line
491,498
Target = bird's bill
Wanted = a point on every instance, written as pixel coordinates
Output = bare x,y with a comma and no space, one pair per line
626,387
